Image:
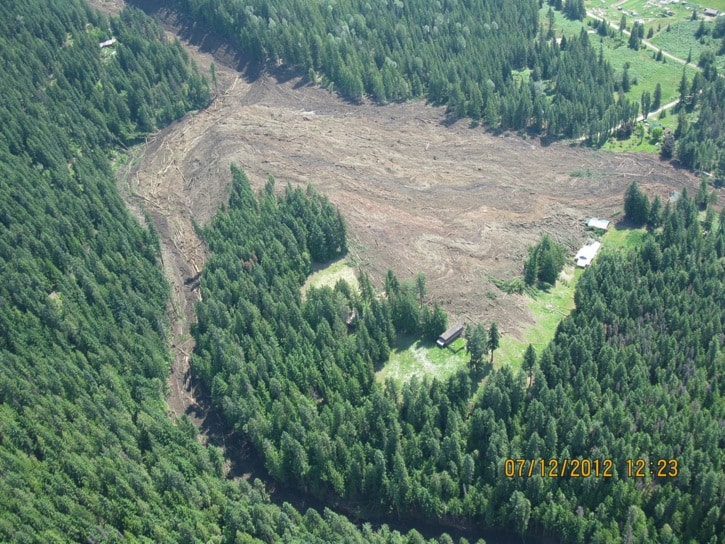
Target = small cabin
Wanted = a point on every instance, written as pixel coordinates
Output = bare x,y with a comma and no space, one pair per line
450,335
709,12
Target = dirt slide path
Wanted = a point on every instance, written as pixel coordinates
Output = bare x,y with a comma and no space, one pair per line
154,182
418,193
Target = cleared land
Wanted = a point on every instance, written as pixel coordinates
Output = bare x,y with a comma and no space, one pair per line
656,12
419,194
452,202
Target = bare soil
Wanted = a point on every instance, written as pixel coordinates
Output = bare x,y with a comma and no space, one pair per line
419,194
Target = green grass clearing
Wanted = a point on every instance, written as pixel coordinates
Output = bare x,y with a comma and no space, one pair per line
651,11
644,75
415,357
680,41
329,274
643,68
622,238
548,308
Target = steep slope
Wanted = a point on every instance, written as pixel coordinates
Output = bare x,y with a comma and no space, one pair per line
87,452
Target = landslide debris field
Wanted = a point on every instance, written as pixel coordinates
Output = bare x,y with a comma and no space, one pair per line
419,194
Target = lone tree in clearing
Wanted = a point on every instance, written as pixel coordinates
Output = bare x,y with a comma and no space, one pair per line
529,363
493,339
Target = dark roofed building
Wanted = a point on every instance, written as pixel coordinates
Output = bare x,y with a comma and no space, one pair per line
450,335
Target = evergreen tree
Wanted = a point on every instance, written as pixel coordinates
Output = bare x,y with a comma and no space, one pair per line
493,338
668,147
529,361
531,267
477,344
636,205
646,101
657,97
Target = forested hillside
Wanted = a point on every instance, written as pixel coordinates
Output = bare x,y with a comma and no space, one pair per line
699,141
87,453
633,374
490,60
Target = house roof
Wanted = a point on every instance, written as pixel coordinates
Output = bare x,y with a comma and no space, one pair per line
598,223
585,255
455,329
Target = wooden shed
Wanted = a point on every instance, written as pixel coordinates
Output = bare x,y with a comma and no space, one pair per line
450,335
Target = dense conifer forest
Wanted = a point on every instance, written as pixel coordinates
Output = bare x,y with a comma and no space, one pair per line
699,143
632,374
87,452
490,60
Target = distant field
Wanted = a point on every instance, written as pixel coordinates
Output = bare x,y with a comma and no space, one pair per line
653,11
643,68
644,71
680,41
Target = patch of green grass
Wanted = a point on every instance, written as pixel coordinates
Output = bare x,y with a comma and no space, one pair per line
329,274
622,238
415,357
548,308
644,70
680,41
655,15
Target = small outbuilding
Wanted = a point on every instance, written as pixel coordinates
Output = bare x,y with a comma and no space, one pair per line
450,335
709,12
586,254
595,223
107,43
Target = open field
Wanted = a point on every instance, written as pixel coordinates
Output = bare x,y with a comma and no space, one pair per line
622,238
674,31
411,357
419,194
680,40
329,274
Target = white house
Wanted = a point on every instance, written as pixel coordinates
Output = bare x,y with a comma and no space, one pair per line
585,255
